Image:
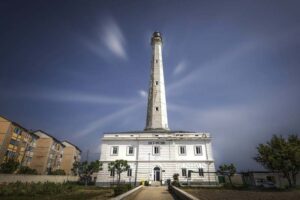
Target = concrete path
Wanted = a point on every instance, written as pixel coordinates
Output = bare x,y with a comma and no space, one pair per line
152,193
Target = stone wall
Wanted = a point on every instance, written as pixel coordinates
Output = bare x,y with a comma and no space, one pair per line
11,178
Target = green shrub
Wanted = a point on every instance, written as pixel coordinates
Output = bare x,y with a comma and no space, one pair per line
122,189
9,166
27,170
58,172
146,183
175,183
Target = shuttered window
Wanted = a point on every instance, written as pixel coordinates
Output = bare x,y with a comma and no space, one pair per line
201,172
129,172
183,171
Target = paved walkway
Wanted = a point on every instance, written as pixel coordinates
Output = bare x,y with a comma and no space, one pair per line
152,193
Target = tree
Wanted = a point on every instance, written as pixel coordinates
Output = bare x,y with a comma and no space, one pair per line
26,170
227,170
118,166
85,170
75,168
9,166
282,155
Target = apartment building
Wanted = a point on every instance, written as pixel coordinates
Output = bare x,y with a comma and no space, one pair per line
48,153
16,142
71,155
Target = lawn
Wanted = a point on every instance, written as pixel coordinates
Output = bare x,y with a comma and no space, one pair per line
245,194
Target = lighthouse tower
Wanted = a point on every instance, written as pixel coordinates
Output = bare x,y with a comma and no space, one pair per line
157,118
157,153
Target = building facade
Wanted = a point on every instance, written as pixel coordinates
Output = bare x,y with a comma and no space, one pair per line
157,153
16,142
71,155
48,153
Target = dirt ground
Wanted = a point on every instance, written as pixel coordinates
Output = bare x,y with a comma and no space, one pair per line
227,194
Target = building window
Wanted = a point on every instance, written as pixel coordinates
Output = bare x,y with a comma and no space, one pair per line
130,150
129,172
14,142
182,150
156,61
198,150
183,171
112,172
156,82
156,108
114,150
10,154
189,173
201,173
156,150
17,130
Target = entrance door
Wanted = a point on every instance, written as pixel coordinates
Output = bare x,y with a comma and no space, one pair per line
156,174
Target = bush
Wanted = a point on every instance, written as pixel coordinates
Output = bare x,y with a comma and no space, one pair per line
27,170
146,183
122,189
175,181
9,166
58,172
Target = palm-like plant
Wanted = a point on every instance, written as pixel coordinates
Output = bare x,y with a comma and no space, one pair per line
118,166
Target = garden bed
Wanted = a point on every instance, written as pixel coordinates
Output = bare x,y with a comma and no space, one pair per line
65,191
242,194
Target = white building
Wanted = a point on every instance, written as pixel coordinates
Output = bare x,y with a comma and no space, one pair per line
157,153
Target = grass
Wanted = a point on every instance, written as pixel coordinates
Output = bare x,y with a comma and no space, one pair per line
53,191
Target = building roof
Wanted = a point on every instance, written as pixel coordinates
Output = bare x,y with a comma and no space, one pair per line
72,145
22,127
55,139
152,131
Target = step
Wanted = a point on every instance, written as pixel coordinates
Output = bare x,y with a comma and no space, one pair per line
155,183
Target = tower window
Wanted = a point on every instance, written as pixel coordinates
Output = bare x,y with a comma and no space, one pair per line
156,108
114,150
112,172
156,150
156,61
183,171
130,150
182,150
156,82
198,150
129,172
201,173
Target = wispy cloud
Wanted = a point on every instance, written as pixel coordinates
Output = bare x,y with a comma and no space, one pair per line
106,120
109,43
180,67
113,38
67,96
223,60
70,96
143,93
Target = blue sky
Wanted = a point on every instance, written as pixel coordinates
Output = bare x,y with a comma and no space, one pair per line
76,69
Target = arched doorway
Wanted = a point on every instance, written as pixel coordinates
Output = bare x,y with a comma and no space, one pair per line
157,174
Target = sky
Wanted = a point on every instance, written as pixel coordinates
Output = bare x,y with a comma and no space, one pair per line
78,69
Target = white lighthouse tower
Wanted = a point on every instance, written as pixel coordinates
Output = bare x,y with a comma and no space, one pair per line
157,118
157,153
